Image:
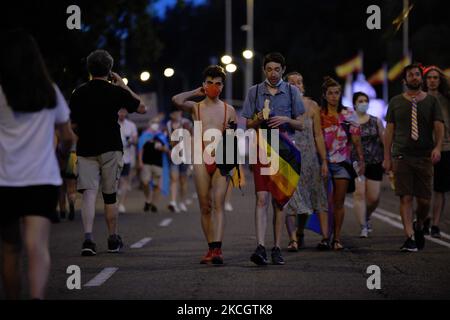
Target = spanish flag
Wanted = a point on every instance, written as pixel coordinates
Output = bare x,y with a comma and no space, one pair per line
283,182
397,70
378,77
352,65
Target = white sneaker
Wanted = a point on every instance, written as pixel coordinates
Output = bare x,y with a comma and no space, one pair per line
122,208
188,202
228,206
183,207
364,233
173,207
194,196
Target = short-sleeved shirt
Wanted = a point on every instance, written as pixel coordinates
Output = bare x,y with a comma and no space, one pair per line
150,154
94,108
337,132
286,102
27,154
399,113
128,130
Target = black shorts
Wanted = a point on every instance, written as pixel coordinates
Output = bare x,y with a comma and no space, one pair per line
18,202
126,170
374,171
442,173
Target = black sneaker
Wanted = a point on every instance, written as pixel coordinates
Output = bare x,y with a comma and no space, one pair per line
419,237
147,207
153,208
259,257
324,245
277,258
71,211
88,248
435,232
115,244
409,246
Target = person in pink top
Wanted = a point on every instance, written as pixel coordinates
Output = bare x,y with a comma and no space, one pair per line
340,130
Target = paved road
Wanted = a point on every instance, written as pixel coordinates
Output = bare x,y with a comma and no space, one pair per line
164,261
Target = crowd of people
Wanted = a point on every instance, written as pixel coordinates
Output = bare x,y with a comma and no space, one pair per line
51,149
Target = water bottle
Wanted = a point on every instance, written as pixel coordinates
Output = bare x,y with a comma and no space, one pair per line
356,167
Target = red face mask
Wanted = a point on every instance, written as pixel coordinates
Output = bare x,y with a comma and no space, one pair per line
212,91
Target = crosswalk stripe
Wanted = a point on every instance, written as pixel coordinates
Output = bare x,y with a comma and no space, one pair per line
140,243
165,222
99,279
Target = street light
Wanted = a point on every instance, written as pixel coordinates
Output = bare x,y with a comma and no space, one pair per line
226,59
169,72
247,54
231,67
145,76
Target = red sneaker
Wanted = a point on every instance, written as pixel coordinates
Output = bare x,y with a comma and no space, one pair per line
217,257
208,257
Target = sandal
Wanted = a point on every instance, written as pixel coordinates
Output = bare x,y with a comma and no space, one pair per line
293,246
323,245
337,245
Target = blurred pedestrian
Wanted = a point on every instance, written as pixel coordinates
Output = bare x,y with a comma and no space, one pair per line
30,108
153,163
129,135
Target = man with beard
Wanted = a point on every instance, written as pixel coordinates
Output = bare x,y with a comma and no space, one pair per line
410,151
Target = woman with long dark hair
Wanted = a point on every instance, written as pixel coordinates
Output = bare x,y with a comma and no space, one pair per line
30,107
340,130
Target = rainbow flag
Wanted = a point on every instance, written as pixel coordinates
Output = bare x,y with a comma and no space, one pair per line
283,182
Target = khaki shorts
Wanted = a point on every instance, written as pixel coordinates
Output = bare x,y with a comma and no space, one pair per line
413,177
105,168
151,172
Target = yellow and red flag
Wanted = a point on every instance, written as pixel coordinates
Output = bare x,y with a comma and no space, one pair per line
378,77
353,65
397,69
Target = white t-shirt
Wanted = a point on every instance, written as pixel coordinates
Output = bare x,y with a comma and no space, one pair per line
128,130
27,154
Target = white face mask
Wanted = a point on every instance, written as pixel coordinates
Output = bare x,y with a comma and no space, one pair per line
362,107
154,126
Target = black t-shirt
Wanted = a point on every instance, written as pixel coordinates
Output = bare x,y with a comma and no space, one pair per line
94,108
150,155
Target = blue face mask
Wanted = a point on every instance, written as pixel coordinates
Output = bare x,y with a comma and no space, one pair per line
362,107
276,85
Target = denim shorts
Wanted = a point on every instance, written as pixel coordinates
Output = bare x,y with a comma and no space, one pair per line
338,172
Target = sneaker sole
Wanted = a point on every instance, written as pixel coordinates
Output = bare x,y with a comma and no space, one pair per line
409,250
88,252
258,260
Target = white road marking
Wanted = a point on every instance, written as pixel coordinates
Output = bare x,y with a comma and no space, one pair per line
392,219
166,222
140,243
99,279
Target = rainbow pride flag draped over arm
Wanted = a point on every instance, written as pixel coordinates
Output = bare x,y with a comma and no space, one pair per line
283,183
